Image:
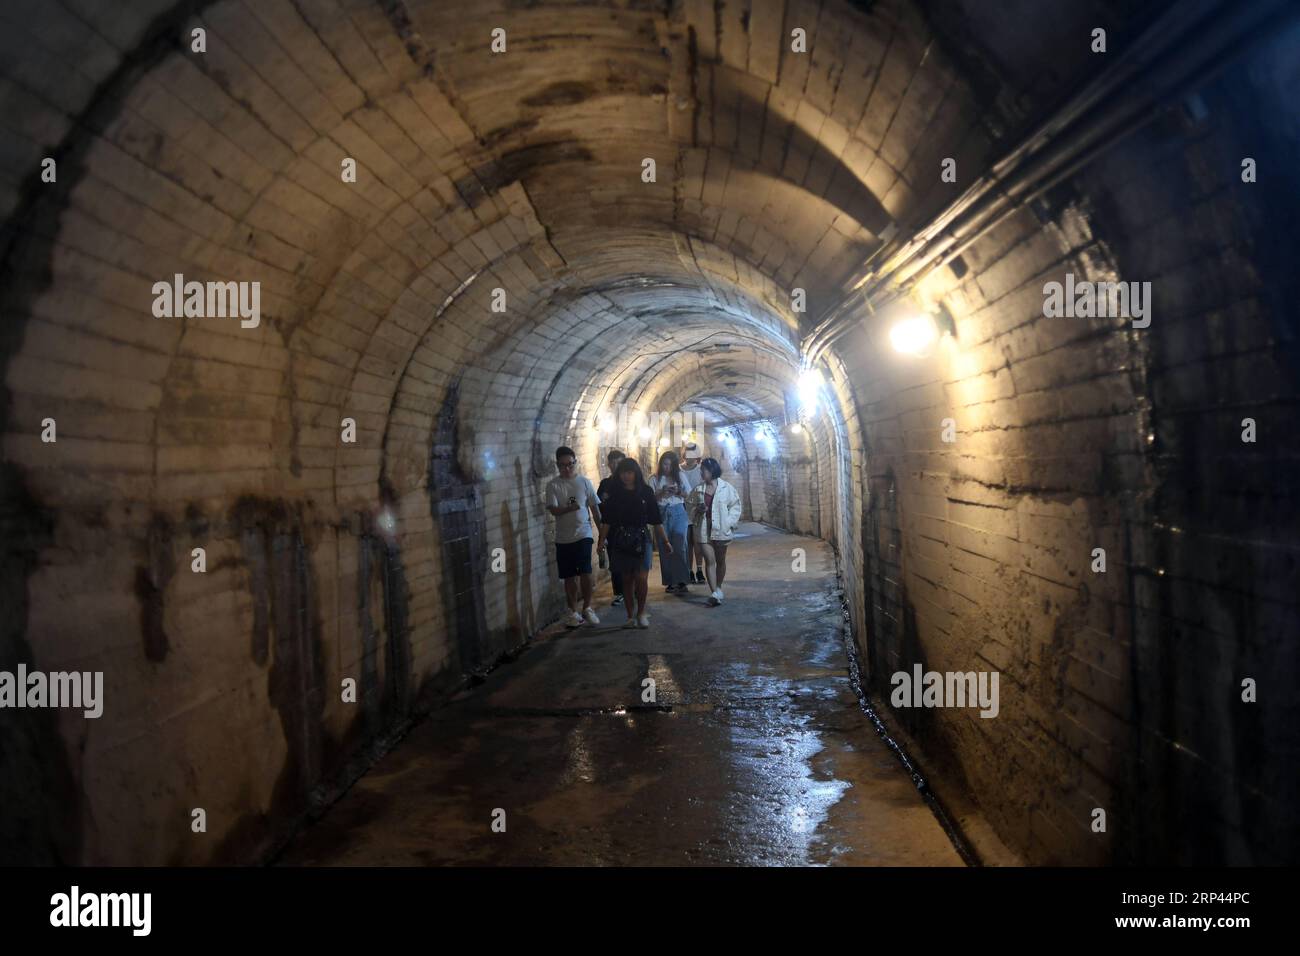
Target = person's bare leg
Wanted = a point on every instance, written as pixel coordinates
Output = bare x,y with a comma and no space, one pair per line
629,594
694,553
642,591
586,591
710,565
571,592
720,556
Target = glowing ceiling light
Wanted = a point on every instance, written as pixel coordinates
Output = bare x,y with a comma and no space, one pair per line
607,424
796,429
809,388
914,335
646,433
664,443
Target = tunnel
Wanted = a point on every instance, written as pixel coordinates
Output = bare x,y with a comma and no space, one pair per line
986,311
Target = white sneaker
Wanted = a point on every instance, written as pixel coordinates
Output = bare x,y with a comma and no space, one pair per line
590,616
715,599
573,620
630,622
643,621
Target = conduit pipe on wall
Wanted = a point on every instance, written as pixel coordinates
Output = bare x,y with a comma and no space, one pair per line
1176,54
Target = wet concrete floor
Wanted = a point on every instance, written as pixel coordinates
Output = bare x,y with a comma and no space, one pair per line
754,750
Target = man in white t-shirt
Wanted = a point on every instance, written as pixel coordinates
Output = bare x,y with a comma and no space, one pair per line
571,498
690,469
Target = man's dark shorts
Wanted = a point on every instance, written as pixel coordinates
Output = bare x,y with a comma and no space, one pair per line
574,559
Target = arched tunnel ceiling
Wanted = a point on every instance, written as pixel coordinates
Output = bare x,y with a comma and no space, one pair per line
519,171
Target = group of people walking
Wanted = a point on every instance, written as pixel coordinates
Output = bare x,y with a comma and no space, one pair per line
693,513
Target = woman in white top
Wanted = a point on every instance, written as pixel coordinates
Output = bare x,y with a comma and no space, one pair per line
715,508
670,494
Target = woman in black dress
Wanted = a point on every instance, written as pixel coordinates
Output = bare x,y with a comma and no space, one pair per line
623,519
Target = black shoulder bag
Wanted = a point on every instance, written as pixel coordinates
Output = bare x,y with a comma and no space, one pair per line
629,539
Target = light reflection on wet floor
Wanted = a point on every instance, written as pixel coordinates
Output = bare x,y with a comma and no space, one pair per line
756,754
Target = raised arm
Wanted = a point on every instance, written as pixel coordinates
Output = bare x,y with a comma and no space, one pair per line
692,502
553,503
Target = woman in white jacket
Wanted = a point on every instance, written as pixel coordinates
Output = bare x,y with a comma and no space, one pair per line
715,509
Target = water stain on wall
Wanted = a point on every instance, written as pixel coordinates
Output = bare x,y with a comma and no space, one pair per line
457,508
41,820
286,638
151,580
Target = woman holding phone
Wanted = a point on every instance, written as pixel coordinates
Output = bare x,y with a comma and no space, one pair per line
670,492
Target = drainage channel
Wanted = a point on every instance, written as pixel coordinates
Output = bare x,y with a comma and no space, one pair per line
949,825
